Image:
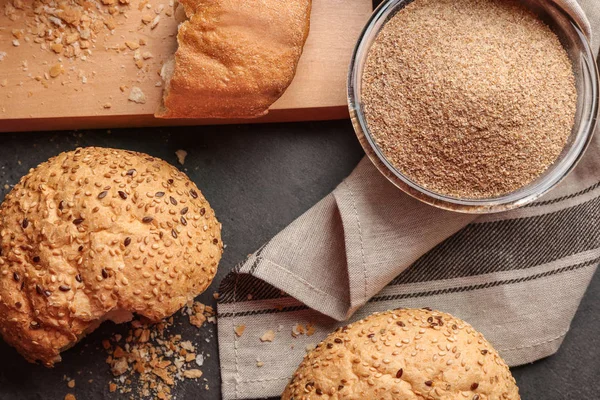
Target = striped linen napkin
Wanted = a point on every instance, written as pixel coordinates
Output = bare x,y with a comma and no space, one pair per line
518,277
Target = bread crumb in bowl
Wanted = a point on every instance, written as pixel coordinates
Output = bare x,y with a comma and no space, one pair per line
96,234
404,354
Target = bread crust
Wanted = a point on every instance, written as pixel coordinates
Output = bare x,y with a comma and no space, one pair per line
235,58
405,354
97,234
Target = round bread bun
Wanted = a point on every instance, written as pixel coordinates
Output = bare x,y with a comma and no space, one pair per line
405,354
97,234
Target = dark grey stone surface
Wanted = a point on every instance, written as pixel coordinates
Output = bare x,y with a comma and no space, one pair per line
258,178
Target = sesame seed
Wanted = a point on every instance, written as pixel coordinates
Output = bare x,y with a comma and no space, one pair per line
104,273
64,288
39,289
184,211
122,194
474,386
172,200
16,276
78,221
127,241
174,233
102,195
202,211
183,221
130,172
25,223
147,220
399,373
428,383
159,194
78,278
194,194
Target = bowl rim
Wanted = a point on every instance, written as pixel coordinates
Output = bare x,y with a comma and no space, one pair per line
502,203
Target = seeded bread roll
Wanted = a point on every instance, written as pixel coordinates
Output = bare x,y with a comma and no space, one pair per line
404,355
97,234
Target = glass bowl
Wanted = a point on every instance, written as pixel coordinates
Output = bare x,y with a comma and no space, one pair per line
586,76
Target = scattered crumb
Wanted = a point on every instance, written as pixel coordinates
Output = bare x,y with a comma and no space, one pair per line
199,360
239,330
57,48
107,105
310,347
297,330
310,329
132,45
192,373
137,95
199,313
181,155
71,383
120,366
259,364
150,361
56,70
268,336
70,397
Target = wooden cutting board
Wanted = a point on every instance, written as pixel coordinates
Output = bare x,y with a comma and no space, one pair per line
77,99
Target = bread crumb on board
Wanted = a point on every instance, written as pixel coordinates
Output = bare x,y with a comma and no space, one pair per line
70,33
137,95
